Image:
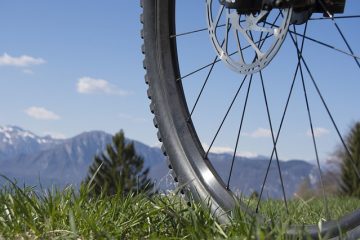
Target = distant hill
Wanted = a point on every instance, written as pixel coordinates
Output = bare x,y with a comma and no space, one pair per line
30,158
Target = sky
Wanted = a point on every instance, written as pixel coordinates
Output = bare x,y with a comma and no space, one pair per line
72,66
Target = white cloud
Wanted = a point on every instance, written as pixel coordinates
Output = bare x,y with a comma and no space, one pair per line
222,150
131,118
22,61
218,150
259,133
318,132
88,85
247,154
41,113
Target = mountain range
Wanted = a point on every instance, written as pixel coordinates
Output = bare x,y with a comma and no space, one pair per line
35,160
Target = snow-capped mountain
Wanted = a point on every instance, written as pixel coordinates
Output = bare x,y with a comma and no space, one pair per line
15,141
32,159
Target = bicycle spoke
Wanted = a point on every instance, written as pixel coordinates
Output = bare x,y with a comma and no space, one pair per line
194,31
324,44
219,60
261,43
202,88
331,117
274,143
239,132
278,134
205,82
198,70
347,43
312,132
328,112
314,142
226,115
280,127
339,17
339,30
221,10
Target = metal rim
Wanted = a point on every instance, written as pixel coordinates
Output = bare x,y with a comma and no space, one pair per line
183,147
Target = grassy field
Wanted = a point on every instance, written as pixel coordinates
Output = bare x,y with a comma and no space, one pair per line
69,214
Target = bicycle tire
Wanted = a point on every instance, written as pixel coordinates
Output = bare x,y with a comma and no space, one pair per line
180,143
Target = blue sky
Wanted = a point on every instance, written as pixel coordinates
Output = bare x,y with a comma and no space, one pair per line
83,66
73,66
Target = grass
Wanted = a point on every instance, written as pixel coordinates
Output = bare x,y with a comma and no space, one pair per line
309,211
73,214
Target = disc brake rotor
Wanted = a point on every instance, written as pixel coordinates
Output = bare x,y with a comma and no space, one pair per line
247,34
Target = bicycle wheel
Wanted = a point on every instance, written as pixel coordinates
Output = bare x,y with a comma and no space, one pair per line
174,108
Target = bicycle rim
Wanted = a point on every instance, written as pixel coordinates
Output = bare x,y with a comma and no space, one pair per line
174,119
